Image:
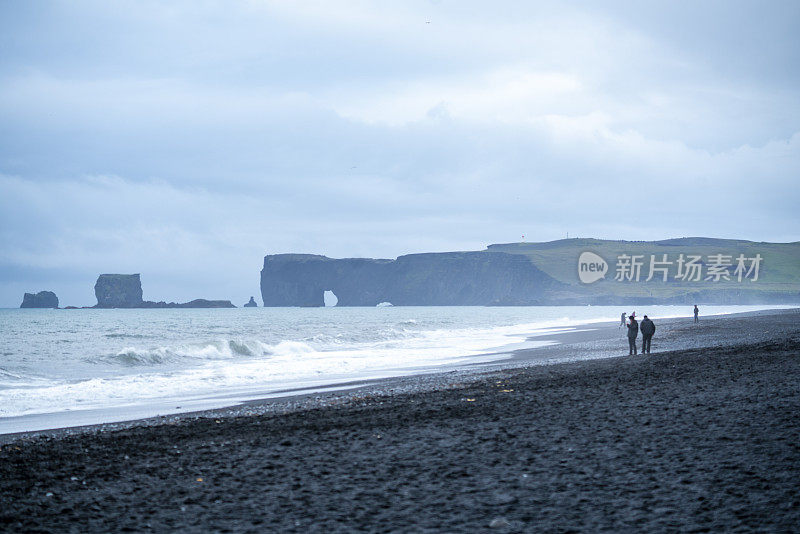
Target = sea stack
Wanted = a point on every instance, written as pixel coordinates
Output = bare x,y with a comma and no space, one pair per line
118,291
42,299
251,303
125,291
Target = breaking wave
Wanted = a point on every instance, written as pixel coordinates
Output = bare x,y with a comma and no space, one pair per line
231,349
139,357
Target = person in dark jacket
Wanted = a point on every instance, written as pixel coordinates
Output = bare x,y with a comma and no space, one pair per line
696,313
633,331
648,329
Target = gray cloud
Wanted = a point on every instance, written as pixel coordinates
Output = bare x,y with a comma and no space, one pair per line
184,141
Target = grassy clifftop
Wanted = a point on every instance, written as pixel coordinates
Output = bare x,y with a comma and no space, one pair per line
778,271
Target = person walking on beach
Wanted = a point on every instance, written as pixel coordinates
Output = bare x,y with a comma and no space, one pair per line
696,313
622,320
633,332
648,329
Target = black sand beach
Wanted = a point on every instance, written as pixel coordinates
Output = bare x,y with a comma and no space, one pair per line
706,438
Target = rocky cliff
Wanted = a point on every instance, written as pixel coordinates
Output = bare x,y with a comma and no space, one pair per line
544,273
125,291
118,291
42,299
251,303
435,279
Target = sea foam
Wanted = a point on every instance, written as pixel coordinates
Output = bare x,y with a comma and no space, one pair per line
112,358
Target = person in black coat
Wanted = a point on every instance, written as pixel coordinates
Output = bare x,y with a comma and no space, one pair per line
633,332
648,329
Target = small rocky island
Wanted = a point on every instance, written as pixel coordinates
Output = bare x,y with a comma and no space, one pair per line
118,291
42,299
125,291
251,303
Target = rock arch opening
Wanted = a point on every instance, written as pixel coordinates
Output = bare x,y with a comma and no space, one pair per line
330,299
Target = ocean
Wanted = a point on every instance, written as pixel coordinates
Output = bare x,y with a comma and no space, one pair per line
68,367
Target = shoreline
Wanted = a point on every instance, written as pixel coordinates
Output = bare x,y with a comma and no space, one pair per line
601,340
700,438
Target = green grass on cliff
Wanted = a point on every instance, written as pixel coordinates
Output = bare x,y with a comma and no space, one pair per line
779,272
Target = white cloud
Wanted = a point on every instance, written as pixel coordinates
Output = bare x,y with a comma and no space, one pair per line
508,95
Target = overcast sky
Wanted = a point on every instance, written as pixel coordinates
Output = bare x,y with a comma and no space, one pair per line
186,140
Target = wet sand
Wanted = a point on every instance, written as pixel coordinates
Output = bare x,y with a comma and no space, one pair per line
703,438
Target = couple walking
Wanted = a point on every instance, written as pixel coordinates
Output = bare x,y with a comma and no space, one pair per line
647,328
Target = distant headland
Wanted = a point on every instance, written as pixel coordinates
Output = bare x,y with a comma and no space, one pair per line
566,272
563,272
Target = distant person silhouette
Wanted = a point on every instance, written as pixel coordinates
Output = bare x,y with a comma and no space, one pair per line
633,332
622,320
648,328
696,313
